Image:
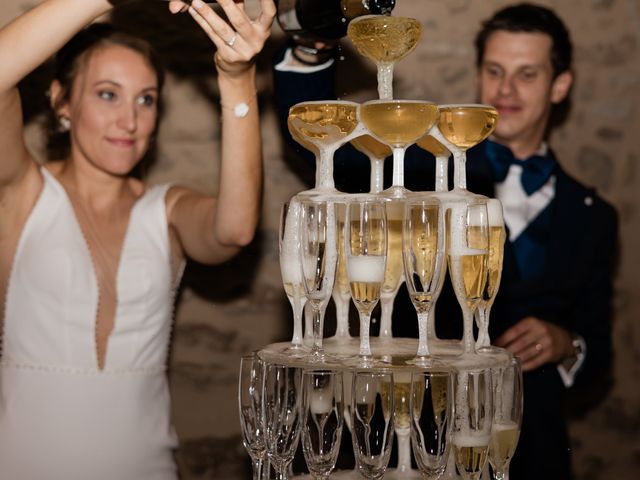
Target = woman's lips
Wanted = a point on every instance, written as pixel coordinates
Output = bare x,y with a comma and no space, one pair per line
122,142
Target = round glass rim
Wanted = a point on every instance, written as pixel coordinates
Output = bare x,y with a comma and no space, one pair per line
392,18
325,102
398,101
466,105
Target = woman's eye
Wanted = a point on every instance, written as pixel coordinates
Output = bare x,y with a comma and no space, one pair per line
147,100
106,95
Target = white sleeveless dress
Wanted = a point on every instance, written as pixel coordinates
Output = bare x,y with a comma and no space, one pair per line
62,418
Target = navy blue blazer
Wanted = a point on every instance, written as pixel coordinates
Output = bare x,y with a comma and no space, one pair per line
574,291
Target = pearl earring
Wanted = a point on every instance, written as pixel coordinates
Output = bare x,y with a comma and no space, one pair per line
64,123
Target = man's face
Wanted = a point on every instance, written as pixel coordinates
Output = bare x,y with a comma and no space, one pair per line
516,77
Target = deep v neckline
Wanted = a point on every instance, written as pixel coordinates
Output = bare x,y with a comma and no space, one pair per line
101,359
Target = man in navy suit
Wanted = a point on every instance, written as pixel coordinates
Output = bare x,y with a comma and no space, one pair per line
553,309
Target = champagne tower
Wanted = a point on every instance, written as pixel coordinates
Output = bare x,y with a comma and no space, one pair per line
338,245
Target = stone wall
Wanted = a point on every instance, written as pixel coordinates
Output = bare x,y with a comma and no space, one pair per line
231,309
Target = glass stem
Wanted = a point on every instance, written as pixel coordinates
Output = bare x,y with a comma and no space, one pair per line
460,170
385,81
398,167
317,329
342,316
324,169
467,336
365,348
376,183
386,311
442,180
297,318
404,449
257,469
308,322
482,316
423,343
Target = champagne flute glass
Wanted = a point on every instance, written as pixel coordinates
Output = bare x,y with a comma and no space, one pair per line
322,127
289,246
494,271
250,390
377,153
366,253
507,417
322,418
401,401
372,420
398,124
463,126
318,263
385,40
431,419
282,415
472,421
468,252
341,291
424,254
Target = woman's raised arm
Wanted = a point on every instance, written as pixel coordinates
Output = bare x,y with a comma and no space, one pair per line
25,43
213,230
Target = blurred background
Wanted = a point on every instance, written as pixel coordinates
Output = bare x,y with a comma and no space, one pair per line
232,309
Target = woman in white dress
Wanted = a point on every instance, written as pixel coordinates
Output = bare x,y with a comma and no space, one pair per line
90,256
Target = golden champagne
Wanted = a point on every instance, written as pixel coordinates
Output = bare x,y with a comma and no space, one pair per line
384,39
371,147
365,295
401,399
399,123
504,440
293,289
496,255
342,280
467,125
469,276
433,146
471,459
322,123
394,268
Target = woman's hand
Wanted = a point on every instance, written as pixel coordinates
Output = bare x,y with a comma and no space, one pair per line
237,42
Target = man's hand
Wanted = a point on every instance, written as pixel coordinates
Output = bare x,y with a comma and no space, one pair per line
536,342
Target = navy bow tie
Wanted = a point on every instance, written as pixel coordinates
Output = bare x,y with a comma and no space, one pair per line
536,169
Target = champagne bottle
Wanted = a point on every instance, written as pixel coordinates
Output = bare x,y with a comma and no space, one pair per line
325,19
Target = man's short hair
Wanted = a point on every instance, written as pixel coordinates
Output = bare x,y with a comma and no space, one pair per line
527,17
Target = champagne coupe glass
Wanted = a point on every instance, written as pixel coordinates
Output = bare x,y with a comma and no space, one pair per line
494,271
377,153
424,255
282,415
431,419
463,126
507,417
441,154
318,263
467,253
322,127
372,420
366,253
398,124
322,418
385,40
250,390
472,421
289,247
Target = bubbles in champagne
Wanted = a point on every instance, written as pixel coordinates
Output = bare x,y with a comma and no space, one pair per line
384,39
366,268
467,125
398,123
